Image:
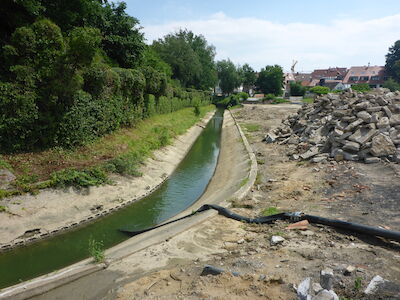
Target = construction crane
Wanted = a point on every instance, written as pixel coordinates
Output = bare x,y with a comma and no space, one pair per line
293,65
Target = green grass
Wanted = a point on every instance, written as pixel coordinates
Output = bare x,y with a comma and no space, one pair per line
279,101
357,283
96,250
121,152
3,208
244,181
308,100
251,127
270,211
236,106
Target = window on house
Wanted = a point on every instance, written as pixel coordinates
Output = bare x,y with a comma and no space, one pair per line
353,78
375,78
364,78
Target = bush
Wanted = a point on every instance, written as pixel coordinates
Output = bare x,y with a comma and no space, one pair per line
243,96
197,110
361,87
392,85
79,178
296,89
269,97
320,90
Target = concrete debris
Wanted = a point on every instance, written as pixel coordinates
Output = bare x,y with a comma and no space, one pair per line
326,279
348,126
304,289
374,284
326,295
276,240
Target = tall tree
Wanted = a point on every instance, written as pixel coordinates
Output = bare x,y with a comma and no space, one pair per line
190,57
393,61
248,76
270,80
228,76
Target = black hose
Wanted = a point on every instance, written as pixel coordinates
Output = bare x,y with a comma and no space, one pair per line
369,230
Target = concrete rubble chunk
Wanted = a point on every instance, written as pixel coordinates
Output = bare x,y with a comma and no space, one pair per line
351,146
383,122
364,116
363,135
395,120
326,295
276,240
326,279
373,285
310,153
382,145
270,138
304,289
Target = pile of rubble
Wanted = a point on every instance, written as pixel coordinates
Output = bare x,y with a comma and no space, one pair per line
348,126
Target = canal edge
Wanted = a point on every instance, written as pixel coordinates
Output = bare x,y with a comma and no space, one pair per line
42,284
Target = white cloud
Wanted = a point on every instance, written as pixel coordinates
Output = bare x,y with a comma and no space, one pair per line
260,42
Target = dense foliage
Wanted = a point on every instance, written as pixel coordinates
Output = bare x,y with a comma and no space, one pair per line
393,62
361,87
72,71
296,89
270,80
228,75
190,57
248,76
320,90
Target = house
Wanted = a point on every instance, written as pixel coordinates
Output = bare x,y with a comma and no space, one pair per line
373,75
329,74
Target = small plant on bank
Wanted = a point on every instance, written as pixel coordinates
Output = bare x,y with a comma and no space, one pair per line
271,211
197,110
357,283
3,208
96,250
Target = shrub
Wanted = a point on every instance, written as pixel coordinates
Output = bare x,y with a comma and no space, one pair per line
124,165
96,250
296,89
392,85
361,87
79,178
320,90
243,96
269,97
197,110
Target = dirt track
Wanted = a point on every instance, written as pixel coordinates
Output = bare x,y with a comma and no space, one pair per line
271,272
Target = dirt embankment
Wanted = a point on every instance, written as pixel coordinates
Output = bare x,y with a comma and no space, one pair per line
367,194
31,217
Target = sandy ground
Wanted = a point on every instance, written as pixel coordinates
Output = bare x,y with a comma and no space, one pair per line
32,216
349,191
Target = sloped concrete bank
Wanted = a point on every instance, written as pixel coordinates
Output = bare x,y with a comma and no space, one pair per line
56,211
236,163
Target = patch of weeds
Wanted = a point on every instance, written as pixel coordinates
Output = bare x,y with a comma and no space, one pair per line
241,205
258,179
271,211
344,298
4,164
3,208
279,233
308,100
260,161
357,283
301,162
244,181
279,101
251,127
96,250
79,178
5,193
125,165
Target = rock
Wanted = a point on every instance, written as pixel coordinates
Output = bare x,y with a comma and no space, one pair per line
211,270
241,241
310,153
363,135
307,233
270,138
349,156
382,145
326,279
351,146
361,106
339,155
304,289
364,116
349,270
372,160
318,159
326,295
6,177
373,285
316,287
387,111
356,123
394,120
374,109
383,122
276,240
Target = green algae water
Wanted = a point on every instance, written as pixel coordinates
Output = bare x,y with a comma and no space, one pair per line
181,190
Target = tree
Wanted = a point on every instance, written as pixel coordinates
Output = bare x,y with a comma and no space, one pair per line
248,76
393,61
190,57
296,89
270,80
392,85
228,76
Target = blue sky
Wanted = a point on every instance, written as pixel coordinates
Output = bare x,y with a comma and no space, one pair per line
318,34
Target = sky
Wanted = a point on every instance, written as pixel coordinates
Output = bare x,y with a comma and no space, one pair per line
317,34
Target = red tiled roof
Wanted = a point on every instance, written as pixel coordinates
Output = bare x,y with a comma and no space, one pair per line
328,73
359,75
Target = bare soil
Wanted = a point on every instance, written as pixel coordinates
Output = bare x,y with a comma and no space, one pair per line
367,194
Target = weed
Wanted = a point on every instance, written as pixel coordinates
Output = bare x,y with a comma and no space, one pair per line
197,111
96,250
125,165
260,161
279,100
258,179
4,164
357,283
3,208
271,211
308,100
244,182
251,127
80,178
